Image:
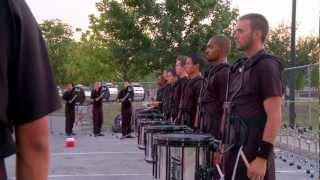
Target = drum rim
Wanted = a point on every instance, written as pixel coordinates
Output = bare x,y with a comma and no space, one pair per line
152,122
181,142
168,127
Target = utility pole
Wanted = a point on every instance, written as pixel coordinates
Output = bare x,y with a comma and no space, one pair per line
292,79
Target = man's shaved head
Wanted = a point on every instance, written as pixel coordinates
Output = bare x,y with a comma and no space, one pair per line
218,48
222,41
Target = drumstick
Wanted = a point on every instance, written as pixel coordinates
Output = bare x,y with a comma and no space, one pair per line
74,97
244,158
219,171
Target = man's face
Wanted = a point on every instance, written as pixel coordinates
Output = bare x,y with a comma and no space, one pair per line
171,78
98,84
243,35
126,84
179,68
164,75
190,67
69,87
212,51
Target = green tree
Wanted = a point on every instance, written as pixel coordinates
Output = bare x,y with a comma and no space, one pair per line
146,36
88,63
307,52
59,37
278,43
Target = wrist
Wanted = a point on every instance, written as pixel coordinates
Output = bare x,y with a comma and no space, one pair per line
264,150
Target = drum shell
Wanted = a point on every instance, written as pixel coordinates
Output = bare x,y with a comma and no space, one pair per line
152,130
180,159
142,125
145,114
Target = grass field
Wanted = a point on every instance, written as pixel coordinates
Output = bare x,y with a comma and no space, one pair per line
110,111
307,113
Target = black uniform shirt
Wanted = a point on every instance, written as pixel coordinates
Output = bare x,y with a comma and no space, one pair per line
126,93
215,86
177,94
27,86
68,96
191,95
167,98
32,92
257,81
95,94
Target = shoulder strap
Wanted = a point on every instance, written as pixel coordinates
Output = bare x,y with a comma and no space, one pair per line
237,64
193,81
262,57
213,72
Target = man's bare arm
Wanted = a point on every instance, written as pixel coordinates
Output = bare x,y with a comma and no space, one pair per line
33,150
272,107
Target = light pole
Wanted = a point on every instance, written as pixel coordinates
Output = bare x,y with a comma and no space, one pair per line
292,79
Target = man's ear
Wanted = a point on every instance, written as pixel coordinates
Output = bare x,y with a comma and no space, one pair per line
257,34
198,66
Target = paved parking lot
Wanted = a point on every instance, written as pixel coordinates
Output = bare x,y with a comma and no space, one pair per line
109,158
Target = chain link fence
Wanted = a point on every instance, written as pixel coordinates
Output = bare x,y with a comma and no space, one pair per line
306,101
299,145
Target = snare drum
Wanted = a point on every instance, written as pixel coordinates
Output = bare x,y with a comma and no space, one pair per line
182,156
152,130
142,125
144,115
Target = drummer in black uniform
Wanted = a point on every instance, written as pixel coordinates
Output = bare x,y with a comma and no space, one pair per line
188,105
97,95
179,86
126,97
162,82
167,104
213,92
255,96
69,96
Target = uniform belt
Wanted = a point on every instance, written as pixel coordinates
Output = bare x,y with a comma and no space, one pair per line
254,122
185,109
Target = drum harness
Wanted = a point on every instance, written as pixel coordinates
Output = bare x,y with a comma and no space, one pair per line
102,94
129,93
227,123
207,173
184,114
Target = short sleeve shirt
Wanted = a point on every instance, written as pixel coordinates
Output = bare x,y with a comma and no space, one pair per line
252,82
95,94
191,94
27,87
215,88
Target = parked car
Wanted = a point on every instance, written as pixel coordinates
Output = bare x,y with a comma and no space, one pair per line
117,122
87,91
139,92
113,90
60,91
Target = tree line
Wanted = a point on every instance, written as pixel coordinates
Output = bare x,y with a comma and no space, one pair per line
137,39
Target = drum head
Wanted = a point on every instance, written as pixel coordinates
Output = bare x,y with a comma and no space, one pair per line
184,140
165,128
142,123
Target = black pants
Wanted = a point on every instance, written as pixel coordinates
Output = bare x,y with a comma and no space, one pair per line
3,173
250,149
97,113
126,113
211,123
70,118
241,172
186,119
